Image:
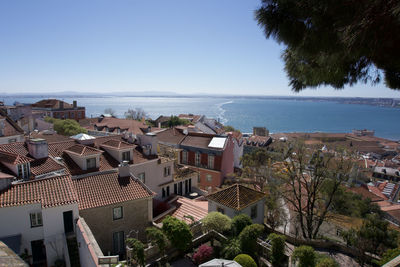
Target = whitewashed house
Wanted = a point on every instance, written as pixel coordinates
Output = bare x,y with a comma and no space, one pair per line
238,199
36,217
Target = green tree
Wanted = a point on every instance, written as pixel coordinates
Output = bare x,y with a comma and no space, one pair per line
277,249
175,121
217,221
389,255
178,232
248,238
137,250
274,213
245,260
305,255
239,222
229,128
373,236
255,166
66,127
327,262
335,43
231,249
158,238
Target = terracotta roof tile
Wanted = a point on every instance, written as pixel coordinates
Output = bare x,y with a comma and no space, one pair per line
365,193
132,126
170,136
106,189
45,165
197,141
13,158
236,196
49,192
186,206
83,150
118,144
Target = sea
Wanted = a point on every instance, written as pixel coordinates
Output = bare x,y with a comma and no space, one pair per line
277,115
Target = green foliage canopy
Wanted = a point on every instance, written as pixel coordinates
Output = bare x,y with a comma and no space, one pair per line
245,260
335,43
137,250
217,221
175,121
231,249
239,222
277,249
178,232
66,127
305,255
158,238
248,238
389,255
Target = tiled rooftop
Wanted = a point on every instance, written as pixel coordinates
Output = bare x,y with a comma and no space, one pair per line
83,150
13,158
118,144
106,189
45,165
188,207
236,196
51,192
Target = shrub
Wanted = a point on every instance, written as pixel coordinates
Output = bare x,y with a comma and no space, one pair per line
389,255
231,249
305,255
178,232
217,221
66,127
327,262
239,222
137,250
248,238
245,260
158,238
203,254
277,249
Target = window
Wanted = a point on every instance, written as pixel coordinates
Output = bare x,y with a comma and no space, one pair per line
209,178
211,161
142,177
184,157
72,115
126,156
36,219
163,192
221,210
253,212
117,213
167,171
24,170
167,191
197,159
118,243
91,163
175,189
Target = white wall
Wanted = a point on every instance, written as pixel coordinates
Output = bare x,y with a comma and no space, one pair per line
237,153
117,154
6,139
213,206
81,161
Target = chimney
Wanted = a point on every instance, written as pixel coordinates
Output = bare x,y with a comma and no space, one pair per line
151,139
75,104
124,169
61,104
38,148
6,182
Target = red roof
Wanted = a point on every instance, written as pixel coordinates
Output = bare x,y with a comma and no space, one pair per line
51,192
13,158
365,193
83,150
132,126
236,196
185,206
45,165
117,144
107,188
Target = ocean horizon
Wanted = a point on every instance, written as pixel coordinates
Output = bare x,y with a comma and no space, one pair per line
243,113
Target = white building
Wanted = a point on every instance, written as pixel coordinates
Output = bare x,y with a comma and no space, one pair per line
238,199
36,216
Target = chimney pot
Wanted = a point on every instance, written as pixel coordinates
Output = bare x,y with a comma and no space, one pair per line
124,169
38,148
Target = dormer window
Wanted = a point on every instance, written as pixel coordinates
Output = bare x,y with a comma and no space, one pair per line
126,156
24,170
91,163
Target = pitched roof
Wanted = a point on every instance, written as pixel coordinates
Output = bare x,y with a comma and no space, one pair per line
132,126
83,150
365,193
45,165
11,127
199,141
13,158
170,136
117,144
106,189
50,137
185,206
51,103
236,196
51,192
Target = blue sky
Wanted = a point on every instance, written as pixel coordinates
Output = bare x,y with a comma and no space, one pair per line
182,46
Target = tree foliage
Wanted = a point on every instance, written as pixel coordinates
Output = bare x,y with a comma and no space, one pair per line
335,43
66,127
389,255
203,254
277,249
245,260
178,232
229,128
217,221
135,114
175,121
137,250
306,173
158,238
248,238
305,255
231,249
373,236
327,262
255,166
274,212
239,222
